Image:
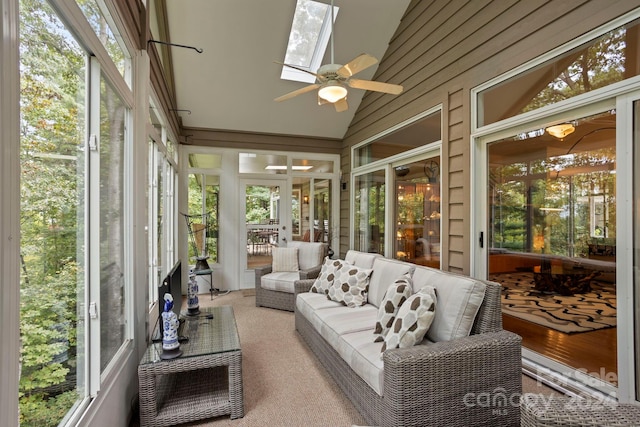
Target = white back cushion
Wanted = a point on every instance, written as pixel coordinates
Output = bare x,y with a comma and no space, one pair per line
284,259
459,299
385,272
310,254
360,259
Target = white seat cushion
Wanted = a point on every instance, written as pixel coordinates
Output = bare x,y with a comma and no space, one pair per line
363,356
308,302
459,299
333,322
280,281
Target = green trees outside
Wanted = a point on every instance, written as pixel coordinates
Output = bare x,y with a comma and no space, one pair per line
200,203
547,205
597,65
52,69
544,207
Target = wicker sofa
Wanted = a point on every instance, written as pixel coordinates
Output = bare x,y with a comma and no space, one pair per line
275,289
473,379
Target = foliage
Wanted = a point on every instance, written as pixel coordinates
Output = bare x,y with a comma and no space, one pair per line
52,113
197,207
36,411
598,65
258,204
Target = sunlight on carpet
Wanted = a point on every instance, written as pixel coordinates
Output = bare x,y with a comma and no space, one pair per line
569,314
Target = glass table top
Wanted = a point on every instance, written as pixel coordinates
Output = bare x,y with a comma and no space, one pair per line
212,331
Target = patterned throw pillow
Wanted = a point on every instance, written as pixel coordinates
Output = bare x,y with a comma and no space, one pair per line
284,259
396,294
350,286
412,321
326,276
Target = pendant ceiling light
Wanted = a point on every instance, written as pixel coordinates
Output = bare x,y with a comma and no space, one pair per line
561,130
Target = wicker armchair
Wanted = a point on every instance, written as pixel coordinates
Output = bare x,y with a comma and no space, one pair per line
276,290
538,410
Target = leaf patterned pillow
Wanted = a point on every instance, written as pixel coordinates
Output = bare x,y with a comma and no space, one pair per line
327,274
351,285
395,296
412,321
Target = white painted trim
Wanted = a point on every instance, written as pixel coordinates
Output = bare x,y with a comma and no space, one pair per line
625,142
92,230
10,213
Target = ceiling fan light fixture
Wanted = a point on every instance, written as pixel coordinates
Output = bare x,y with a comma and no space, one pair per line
561,130
332,92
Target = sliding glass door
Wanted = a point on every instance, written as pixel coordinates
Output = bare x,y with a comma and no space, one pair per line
552,241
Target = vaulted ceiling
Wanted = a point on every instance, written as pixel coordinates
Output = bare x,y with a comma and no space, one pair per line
232,84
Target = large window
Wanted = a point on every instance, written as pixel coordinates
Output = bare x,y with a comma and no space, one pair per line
396,201
162,203
417,212
202,219
369,218
587,67
53,191
402,140
75,126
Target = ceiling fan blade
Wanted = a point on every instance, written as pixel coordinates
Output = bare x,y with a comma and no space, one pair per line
318,76
356,65
297,92
375,86
341,105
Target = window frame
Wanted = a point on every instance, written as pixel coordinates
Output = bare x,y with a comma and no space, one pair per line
614,96
423,152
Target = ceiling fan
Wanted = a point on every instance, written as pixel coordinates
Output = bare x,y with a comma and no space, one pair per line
333,79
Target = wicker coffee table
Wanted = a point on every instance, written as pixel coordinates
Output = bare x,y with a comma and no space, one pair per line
204,382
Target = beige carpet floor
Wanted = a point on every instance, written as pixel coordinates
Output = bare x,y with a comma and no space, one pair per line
284,385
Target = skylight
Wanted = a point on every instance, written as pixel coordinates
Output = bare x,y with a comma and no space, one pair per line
308,40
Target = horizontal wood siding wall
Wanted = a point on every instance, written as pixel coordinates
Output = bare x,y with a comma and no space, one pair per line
441,50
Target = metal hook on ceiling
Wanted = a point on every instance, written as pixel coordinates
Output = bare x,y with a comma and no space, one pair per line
176,45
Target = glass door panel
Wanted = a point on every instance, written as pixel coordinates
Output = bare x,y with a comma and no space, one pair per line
202,220
368,212
552,240
263,212
417,212
322,210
